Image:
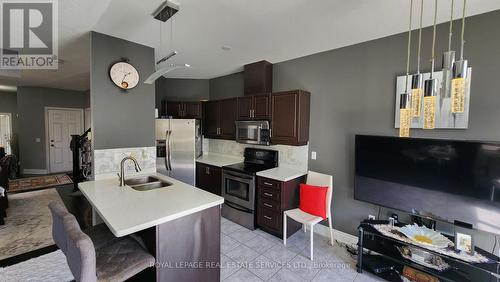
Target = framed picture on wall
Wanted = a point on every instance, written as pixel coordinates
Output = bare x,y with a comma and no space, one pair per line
464,242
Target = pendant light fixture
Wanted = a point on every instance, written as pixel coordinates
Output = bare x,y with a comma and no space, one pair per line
405,98
459,75
448,59
417,80
164,13
430,86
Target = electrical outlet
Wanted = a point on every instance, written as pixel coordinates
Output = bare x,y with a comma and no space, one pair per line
371,217
313,155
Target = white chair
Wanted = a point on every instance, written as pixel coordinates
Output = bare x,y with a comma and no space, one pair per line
316,179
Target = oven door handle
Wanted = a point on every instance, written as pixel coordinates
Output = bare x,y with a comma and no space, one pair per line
236,207
237,177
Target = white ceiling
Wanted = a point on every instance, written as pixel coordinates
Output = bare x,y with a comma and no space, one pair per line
275,30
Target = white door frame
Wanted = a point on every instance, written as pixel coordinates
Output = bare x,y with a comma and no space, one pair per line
10,129
47,138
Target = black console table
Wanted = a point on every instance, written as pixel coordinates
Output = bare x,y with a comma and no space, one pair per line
387,253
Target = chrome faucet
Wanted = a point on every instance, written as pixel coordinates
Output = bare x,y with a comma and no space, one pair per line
121,176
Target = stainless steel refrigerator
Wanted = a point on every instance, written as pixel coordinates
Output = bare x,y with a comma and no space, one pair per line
178,144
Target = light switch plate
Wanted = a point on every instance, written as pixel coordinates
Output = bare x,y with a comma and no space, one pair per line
37,140
313,155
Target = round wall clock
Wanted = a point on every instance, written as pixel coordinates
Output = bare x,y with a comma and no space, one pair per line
124,75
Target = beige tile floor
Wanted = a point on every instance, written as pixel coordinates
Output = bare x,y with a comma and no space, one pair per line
258,256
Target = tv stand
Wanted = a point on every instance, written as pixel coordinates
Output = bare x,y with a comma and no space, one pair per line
386,251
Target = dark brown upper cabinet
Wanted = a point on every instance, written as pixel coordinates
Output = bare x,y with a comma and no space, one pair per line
255,107
219,118
258,78
173,109
184,109
227,118
211,116
290,117
192,110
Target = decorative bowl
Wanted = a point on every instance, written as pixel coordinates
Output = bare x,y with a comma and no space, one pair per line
425,236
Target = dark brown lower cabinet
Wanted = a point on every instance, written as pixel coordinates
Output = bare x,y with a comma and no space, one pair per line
273,198
209,178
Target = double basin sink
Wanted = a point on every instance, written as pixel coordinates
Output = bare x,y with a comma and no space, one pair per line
146,183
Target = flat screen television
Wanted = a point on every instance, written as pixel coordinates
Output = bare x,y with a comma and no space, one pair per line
446,180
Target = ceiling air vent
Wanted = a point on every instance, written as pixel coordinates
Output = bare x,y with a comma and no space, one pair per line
166,11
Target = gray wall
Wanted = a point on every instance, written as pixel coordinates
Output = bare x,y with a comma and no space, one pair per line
353,92
8,104
173,89
31,103
121,119
226,86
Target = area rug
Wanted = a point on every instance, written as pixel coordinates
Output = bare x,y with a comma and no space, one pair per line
38,182
50,267
28,225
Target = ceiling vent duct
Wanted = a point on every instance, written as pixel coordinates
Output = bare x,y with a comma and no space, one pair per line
166,10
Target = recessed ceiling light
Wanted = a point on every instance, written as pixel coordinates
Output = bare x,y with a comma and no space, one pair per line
226,48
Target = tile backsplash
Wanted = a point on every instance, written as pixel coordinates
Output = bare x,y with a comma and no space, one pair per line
107,162
296,156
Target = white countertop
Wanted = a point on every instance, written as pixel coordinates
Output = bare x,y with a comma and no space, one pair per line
125,210
282,173
219,159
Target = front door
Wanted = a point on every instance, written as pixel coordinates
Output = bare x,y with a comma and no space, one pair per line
61,125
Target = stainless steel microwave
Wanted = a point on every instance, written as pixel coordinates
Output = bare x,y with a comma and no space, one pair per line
253,132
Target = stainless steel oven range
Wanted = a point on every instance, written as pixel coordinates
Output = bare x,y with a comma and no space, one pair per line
238,185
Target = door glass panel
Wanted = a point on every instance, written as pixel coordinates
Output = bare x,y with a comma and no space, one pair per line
5,132
237,189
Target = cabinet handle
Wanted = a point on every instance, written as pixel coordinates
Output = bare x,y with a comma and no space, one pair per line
268,205
268,184
207,170
268,194
250,113
268,217
253,113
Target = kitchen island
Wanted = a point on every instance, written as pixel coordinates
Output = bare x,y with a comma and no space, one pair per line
179,224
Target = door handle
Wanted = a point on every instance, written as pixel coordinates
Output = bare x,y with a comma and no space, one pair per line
168,151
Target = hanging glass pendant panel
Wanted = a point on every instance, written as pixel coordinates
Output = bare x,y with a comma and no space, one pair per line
405,120
458,95
444,116
429,114
416,102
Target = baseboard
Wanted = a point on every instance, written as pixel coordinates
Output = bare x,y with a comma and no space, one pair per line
35,171
338,235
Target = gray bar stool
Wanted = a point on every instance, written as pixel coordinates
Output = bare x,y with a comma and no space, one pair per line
99,234
117,260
